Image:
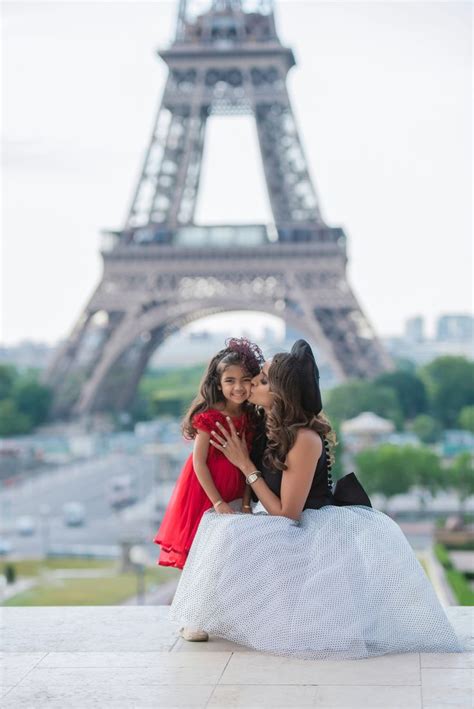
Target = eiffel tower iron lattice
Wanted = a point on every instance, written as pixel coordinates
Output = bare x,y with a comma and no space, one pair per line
162,271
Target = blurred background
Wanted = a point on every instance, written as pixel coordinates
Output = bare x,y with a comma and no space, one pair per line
373,125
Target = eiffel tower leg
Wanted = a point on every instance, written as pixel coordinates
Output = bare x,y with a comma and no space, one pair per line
311,327
345,339
168,185
292,195
187,178
124,356
151,179
60,366
354,343
120,394
78,356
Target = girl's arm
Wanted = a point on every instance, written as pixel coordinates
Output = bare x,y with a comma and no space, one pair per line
246,498
203,474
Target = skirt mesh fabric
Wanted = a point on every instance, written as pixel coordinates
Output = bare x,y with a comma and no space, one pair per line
343,582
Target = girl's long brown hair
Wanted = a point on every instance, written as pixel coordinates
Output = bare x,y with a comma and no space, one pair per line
287,414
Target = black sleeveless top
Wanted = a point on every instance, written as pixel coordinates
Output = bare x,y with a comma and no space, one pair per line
320,492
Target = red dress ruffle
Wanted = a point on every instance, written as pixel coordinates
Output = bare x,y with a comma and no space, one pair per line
188,501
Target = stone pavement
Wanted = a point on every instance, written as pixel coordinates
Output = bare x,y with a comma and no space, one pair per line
125,657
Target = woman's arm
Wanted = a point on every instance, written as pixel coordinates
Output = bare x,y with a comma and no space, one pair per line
203,474
296,479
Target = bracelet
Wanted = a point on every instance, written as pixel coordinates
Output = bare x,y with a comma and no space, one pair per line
216,504
246,507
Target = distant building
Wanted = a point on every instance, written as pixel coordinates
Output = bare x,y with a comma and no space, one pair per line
27,355
414,329
454,336
403,438
455,441
365,431
455,328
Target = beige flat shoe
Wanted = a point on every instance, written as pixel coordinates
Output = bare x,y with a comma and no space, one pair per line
193,636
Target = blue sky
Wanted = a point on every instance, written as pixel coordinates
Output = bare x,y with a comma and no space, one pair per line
382,96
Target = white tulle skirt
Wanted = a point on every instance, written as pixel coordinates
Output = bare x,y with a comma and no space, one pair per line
343,582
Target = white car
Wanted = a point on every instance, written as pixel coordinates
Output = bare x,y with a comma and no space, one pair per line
74,514
25,526
6,547
121,491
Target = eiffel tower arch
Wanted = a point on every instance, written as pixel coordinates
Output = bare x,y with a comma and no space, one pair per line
162,271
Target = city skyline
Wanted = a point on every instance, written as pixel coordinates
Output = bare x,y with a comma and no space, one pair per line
108,104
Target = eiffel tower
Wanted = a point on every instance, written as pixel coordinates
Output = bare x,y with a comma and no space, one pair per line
162,271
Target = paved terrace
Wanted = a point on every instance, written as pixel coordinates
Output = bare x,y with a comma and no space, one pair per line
130,657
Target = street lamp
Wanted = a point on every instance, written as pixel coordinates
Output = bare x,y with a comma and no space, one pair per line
139,559
45,512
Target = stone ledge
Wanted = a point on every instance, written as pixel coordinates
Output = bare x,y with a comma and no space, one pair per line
124,657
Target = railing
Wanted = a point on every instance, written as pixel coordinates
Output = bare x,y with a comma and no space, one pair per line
222,236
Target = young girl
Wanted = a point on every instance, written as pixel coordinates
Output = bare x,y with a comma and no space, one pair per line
208,479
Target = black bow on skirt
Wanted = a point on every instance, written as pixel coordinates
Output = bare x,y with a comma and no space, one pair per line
349,491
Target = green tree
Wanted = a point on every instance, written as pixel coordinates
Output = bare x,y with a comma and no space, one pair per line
383,470
427,428
461,477
165,392
32,399
8,375
450,384
424,468
352,398
404,364
466,418
410,390
12,421
392,470
171,404
141,409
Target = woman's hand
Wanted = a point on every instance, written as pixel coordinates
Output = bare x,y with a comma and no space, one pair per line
224,509
234,448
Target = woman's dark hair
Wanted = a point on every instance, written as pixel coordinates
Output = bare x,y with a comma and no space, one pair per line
288,413
238,351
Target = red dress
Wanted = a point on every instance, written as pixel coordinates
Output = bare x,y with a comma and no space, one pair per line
189,501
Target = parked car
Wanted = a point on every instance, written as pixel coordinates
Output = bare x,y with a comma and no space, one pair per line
6,547
25,526
121,491
74,514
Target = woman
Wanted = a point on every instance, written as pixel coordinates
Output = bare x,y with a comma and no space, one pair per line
312,573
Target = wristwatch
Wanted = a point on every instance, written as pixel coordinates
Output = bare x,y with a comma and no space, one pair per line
253,477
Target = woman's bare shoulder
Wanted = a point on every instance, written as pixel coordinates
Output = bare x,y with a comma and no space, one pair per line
307,439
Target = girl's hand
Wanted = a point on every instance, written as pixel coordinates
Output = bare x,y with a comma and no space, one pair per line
224,509
246,510
233,447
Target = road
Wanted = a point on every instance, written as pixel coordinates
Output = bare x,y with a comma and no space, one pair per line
43,497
